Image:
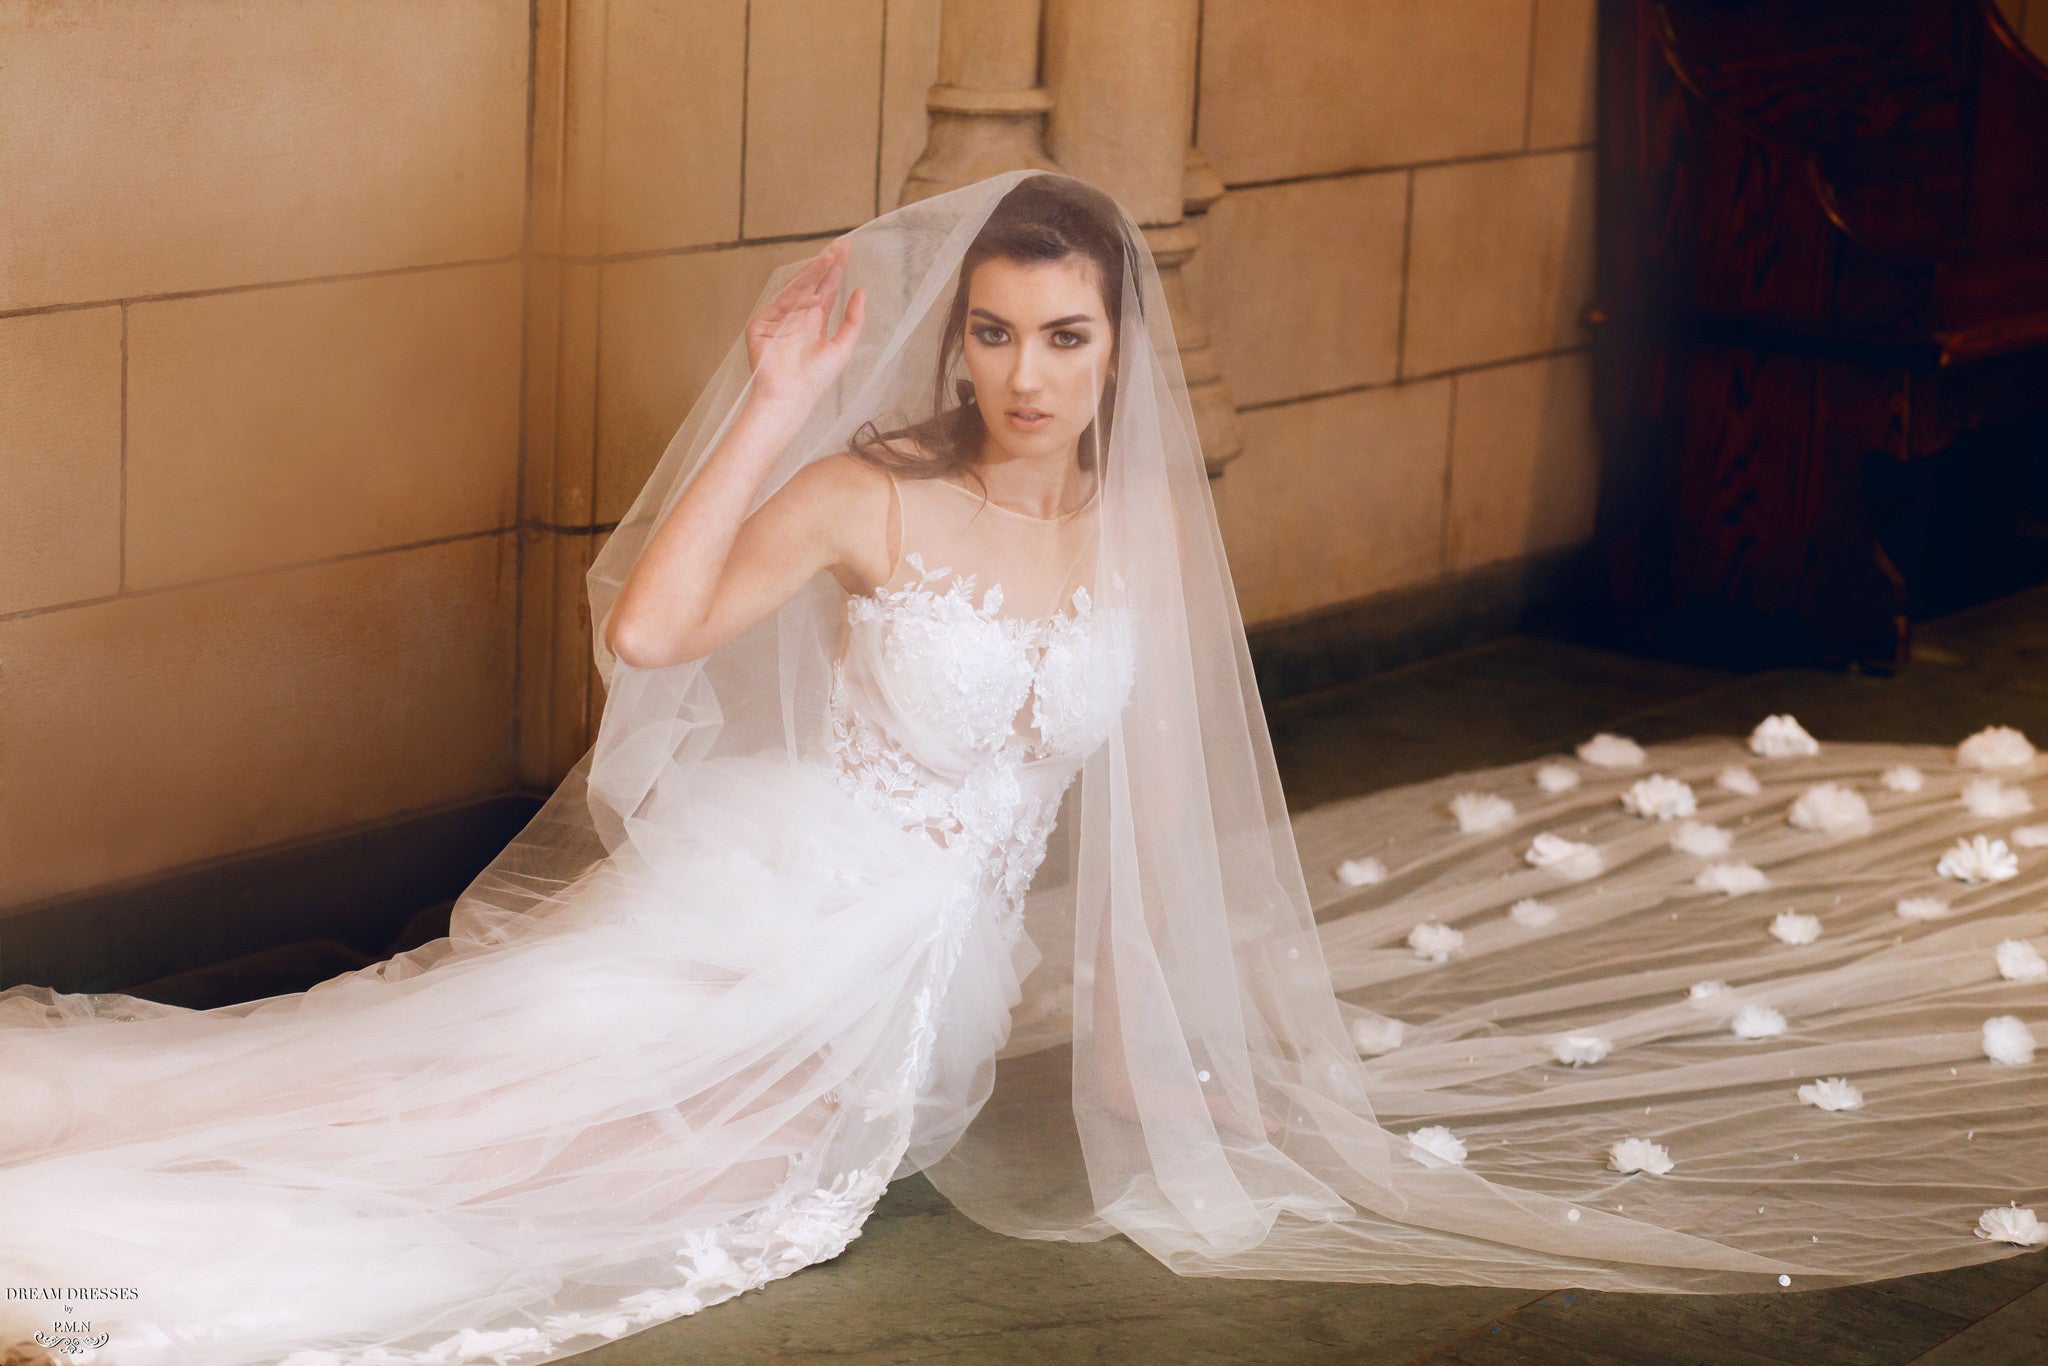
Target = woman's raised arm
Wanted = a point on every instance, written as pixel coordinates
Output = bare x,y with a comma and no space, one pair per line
710,571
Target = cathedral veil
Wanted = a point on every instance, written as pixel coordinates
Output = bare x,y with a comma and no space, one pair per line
1586,1056
1180,1069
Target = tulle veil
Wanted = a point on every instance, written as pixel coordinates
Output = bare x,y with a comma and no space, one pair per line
1551,1026
1181,1068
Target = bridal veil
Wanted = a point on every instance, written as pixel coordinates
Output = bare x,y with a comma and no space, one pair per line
1712,1016
1181,1067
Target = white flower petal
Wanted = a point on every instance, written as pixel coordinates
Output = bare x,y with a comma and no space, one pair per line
1706,841
1977,858
1639,1155
1557,777
1376,1034
1793,927
1658,797
2019,961
1435,942
1903,778
1732,878
2008,1040
1989,799
1922,908
1581,1050
1359,872
1831,809
1436,1146
1995,747
1832,1093
1532,914
1478,812
1781,737
1566,858
1611,751
1757,1022
1736,778
1706,991
2012,1225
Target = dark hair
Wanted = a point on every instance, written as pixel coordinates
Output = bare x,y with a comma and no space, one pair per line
1044,217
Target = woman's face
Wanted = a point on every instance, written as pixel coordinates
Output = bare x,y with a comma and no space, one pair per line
1038,349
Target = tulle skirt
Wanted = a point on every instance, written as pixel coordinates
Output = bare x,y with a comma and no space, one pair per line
680,1082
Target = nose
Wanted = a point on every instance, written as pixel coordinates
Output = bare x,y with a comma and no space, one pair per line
1024,375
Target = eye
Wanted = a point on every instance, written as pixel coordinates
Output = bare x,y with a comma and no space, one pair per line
981,334
1079,339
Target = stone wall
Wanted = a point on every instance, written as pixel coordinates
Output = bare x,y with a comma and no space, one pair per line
260,354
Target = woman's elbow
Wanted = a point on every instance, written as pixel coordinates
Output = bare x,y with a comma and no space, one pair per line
631,644
625,643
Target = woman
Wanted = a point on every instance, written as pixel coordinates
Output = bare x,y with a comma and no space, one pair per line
932,824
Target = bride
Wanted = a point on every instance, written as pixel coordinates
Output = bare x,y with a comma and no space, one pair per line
932,825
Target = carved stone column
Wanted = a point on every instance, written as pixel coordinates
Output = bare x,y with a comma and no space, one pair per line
988,109
1123,83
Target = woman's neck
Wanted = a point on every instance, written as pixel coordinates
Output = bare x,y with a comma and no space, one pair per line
1038,486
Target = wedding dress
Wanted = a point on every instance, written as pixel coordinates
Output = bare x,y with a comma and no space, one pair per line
987,874
819,975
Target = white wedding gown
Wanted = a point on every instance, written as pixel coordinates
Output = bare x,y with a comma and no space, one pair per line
698,1076
1632,1019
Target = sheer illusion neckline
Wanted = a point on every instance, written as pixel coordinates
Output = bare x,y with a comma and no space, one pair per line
1077,605
1024,516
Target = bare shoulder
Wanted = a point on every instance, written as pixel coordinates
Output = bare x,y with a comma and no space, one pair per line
846,500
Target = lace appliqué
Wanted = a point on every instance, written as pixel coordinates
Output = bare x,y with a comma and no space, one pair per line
789,1233
971,671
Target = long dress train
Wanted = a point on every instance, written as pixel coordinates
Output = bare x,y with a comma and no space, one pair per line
695,1074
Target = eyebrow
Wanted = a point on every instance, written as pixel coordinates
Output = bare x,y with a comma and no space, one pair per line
1056,322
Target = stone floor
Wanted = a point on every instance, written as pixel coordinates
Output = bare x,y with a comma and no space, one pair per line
923,1284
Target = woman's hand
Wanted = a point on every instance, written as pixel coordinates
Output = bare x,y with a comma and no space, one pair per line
792,359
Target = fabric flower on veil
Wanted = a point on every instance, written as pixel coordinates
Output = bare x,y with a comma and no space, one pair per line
1781,737
1639,1155
1581,1050
1733,878
1375,1034
1566,858
1659,798
1611,751
2008,1040
1989,799
1921,908
1478,812
1757,1022
1436,1146
2019,961
2012,1225
1995,747
1903,778
1830,809
1702,840
1361,872
1831,1093
1978,858
1795,927
1738,779
1435,942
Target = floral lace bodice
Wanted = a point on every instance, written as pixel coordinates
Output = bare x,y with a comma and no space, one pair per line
948,716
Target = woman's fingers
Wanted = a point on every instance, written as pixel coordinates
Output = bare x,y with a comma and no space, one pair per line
800,289
850,321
